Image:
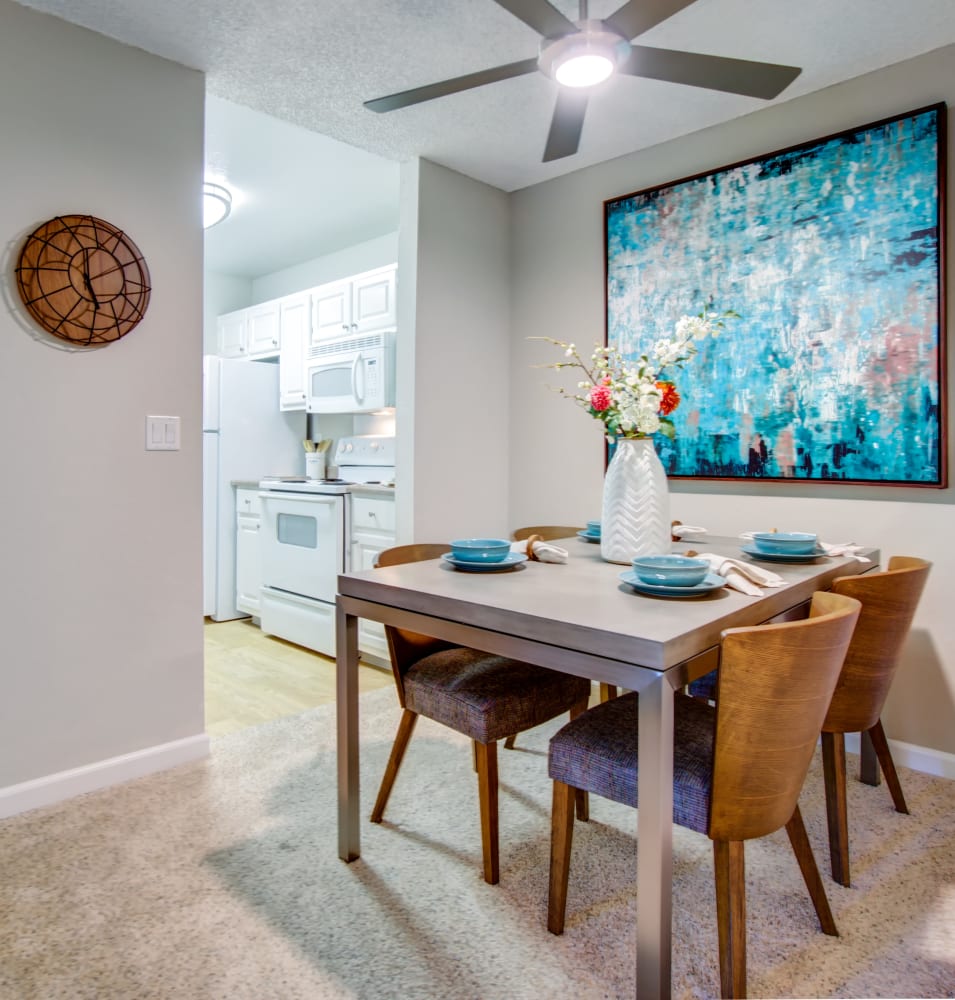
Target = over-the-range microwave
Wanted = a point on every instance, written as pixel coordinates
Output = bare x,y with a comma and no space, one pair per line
354,374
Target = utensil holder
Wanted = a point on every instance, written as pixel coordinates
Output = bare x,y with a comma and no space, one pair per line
314,465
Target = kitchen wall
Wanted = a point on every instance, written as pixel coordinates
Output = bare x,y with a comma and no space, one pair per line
556,454
221,293
101,645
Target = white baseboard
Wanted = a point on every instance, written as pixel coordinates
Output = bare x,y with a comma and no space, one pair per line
64,785
936,762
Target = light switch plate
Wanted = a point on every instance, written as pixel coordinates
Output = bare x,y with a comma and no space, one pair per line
162,433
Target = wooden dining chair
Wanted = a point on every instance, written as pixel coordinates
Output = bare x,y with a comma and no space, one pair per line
889,600
548,532
738,766
482,695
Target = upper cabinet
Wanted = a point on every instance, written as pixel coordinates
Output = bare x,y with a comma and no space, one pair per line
232,335
355,305
250,333
286,328
294,325
263,331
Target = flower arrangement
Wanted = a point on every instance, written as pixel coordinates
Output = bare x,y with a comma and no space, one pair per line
634,399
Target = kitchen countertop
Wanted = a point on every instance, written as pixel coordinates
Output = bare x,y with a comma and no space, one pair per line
244,484
362,489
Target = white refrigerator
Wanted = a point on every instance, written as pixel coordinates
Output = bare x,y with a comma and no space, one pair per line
245,438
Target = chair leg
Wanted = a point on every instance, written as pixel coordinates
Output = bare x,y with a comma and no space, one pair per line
810,873
509,742
561,840
405,729
607,692
834,772
486,754
881,745
728,862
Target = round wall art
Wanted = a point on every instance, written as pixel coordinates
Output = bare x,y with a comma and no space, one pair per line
83,280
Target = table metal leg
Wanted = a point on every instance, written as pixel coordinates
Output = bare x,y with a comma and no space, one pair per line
346,686
868,761
655,840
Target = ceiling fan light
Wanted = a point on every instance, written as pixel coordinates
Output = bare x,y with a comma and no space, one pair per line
585,57
584,70
216,204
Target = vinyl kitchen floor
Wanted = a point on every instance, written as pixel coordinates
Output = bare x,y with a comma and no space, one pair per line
253,678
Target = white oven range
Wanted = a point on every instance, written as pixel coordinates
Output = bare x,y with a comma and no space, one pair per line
305,542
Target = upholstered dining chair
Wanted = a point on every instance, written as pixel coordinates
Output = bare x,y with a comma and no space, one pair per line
481,695
889,600
738,766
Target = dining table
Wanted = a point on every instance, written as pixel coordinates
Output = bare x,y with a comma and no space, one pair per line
581,618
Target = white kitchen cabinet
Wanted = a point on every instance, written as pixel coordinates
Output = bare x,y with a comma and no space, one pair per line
248,555
231,334
356,305
373,530
294,317
262,330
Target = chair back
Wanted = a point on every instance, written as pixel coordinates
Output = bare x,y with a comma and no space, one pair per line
406,647
889,600
548,532
775,682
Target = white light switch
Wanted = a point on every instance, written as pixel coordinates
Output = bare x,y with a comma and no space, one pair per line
162,434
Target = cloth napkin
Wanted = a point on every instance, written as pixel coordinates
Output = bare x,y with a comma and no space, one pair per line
848,549
536,548
686,532
742,576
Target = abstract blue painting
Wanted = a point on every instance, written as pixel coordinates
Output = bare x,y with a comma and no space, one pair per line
831,253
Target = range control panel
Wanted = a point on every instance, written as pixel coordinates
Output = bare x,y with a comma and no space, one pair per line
367,449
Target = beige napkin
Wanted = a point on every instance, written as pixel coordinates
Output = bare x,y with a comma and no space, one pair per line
848,549
536,548
686,532
742,576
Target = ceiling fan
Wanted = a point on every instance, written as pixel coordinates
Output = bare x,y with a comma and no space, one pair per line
582,54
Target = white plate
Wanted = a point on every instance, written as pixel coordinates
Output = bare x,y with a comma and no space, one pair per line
711,581
511,560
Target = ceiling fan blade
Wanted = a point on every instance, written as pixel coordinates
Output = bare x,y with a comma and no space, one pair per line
543,17
564,136
638,16
734,76
445,87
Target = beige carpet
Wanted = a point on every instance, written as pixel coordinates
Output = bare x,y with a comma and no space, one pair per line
221,880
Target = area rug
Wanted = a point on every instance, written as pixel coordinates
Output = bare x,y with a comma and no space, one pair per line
220,879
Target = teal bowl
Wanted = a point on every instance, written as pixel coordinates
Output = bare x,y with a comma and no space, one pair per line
671,570
480,550
785,543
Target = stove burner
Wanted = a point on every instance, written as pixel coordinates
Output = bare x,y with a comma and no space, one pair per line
330,481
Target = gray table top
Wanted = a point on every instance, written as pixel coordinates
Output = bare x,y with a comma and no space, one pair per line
583,605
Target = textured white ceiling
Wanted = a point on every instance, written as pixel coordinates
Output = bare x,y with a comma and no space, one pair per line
313,62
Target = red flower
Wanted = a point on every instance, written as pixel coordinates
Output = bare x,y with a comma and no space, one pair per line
600,398
671,398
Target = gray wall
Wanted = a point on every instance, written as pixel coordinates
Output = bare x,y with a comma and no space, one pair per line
556,452
101,644
453,413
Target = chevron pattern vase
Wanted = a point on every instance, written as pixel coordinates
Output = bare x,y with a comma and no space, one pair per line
635,520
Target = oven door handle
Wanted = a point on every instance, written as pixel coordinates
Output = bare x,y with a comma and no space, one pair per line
357,366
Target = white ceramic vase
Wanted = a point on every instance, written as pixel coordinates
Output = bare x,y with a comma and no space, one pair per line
635,520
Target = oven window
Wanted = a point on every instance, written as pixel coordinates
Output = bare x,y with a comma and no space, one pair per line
298,529
332,382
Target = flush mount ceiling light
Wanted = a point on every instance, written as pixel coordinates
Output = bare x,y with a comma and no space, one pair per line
216,204
586,58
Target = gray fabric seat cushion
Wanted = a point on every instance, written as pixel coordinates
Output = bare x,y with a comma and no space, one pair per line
488,697
598,753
